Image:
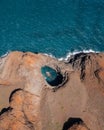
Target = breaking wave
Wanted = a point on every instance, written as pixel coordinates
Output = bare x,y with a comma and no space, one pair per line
65,58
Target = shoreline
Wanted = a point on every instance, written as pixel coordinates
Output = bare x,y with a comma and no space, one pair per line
64,58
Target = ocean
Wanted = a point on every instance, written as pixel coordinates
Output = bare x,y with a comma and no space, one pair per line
54,27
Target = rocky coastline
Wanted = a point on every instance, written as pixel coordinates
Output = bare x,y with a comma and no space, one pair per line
66,96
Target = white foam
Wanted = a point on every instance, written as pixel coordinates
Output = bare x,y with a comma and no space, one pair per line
50,55
76,52
4,55
65,58
70,54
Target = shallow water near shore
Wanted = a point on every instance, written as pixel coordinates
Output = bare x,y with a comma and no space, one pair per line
56,27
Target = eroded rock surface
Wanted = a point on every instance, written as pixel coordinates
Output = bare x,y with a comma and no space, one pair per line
28,102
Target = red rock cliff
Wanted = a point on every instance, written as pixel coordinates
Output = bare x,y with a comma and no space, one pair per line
28,102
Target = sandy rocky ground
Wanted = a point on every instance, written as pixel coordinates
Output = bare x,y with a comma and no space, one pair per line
28,102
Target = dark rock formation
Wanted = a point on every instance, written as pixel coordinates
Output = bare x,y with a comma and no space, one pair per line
28,102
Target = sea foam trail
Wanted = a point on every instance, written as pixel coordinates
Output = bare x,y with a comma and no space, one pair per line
71,53
4,55
76,52
65,58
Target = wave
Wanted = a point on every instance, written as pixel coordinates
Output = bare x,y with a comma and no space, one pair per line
5,54
76,52
65,58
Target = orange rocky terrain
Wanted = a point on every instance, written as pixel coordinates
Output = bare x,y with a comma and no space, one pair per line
29,102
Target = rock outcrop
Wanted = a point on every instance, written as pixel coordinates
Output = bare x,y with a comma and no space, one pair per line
29,102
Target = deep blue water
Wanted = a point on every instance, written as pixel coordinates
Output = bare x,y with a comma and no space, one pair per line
51,26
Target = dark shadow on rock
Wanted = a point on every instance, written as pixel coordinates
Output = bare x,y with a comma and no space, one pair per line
19,89
76,57
5,110
70,122
57,81
9,108
36,52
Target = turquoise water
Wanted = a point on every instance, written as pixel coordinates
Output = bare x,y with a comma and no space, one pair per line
53,77
49,73
51,26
